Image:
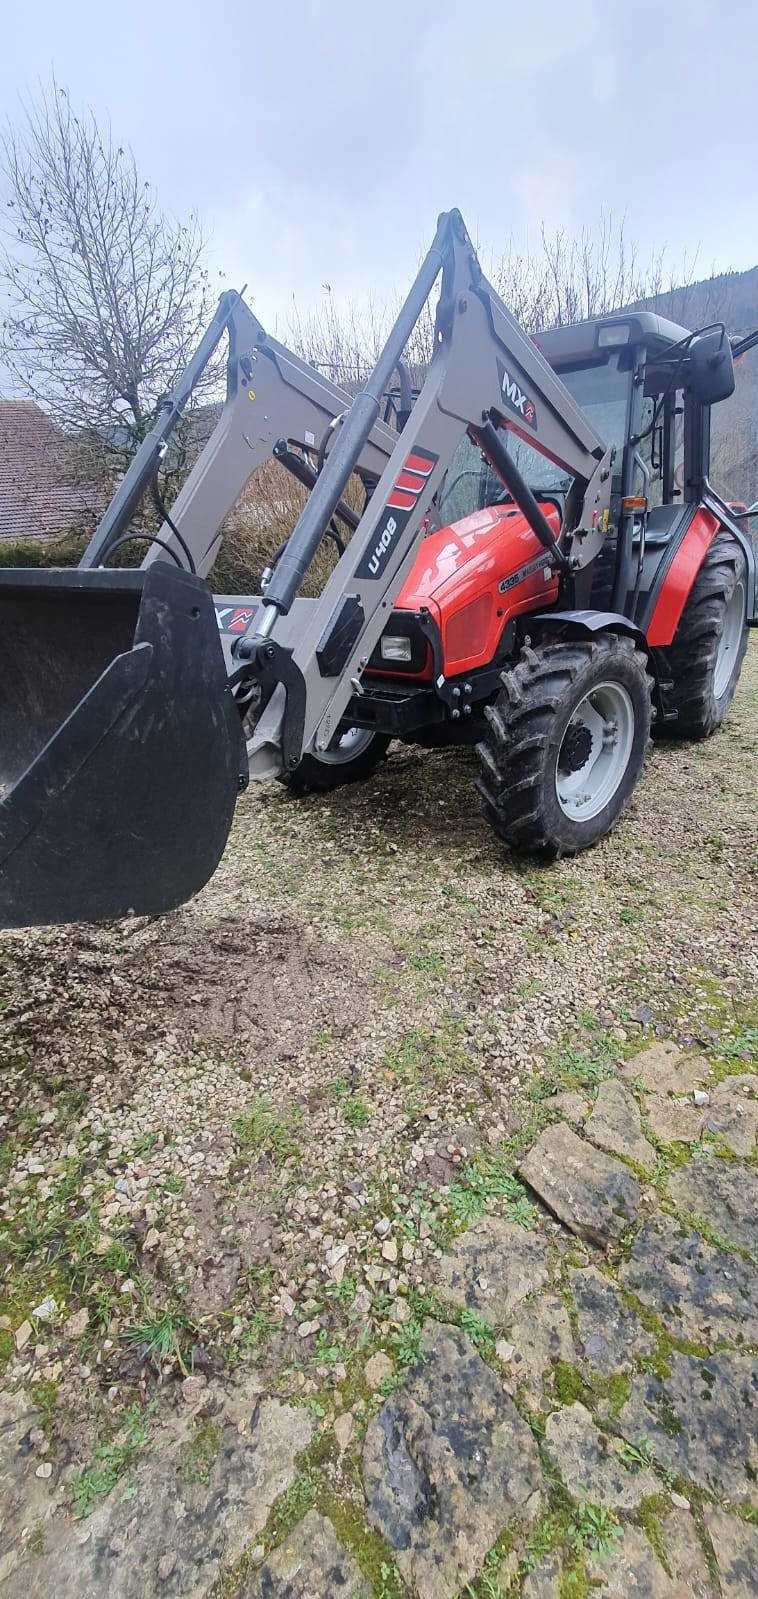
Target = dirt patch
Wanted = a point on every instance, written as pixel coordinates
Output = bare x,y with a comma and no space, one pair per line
270,981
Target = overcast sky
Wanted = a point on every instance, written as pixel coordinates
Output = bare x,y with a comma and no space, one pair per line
319,139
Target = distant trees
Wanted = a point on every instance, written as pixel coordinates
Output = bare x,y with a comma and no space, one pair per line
105,295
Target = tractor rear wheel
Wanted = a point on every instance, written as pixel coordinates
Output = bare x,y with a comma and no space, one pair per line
705,659
352,756
566,743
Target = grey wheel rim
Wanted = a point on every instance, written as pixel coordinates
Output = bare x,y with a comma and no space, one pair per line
595,752
727,653
345,746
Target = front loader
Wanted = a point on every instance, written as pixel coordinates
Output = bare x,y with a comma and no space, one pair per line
539,567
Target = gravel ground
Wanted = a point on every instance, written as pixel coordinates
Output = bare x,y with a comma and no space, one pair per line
238,1138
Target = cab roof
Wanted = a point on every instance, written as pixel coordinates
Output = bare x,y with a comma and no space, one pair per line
585,341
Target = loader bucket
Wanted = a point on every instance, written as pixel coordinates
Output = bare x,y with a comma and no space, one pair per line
121,750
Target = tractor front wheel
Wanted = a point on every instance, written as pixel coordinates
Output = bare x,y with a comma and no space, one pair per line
705,659
566,743
352,756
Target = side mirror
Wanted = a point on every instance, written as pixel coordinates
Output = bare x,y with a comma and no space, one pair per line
711,369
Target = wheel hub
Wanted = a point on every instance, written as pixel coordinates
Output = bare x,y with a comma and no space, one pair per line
595,751
575,749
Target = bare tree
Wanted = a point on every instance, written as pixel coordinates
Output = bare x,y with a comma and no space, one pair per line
105,295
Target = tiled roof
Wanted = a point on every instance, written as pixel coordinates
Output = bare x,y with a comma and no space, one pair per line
39,494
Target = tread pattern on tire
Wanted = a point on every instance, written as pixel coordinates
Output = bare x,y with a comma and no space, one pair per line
521,723
689,662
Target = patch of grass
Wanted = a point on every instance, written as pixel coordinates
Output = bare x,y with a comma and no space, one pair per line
617,1389
428,961
161,1336
427,1054
355,1111
489,1584
264,1131
595,1528
111,1462
479,1330
200,1451
638,1455
45,1396
483,1180
406,1344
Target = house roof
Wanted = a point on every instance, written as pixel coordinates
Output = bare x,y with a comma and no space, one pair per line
40,496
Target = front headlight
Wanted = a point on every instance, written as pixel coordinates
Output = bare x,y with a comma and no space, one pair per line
394,647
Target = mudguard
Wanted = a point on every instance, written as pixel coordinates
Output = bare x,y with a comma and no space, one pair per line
121,749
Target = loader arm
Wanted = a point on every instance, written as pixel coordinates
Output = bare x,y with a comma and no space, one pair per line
271,396
122,750
485,377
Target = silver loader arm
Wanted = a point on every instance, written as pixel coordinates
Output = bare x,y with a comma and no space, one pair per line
485,376
272,397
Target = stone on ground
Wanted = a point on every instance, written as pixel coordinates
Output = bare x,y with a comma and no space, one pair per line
735,1545
699,1291
310,1564
158,1533
712,1190
447,1465
700,1421
573,1107
733,1114
611,1334
545,1581
674,1121
614,1125
590,1464
492,1267
633,1571
591,1192
541,1337
663,1069
684,1555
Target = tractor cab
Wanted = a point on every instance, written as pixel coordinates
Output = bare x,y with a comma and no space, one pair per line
646,385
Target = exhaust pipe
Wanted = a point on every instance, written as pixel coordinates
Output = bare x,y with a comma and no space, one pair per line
121,748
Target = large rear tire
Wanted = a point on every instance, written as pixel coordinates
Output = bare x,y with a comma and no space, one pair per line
705,659
352,756
566,743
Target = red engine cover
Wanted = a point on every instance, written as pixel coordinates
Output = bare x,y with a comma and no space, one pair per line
474,576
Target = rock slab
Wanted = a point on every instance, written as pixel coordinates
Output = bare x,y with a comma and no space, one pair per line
310,1564
615,1125
158,1533
699,1291
735,1545
493,1267
727,1199
590,1462
611,1334
700,1421
591,1192
447,1465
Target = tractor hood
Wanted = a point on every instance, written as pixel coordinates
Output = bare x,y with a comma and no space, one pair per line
475,575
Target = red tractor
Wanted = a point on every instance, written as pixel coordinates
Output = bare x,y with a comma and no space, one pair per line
541,566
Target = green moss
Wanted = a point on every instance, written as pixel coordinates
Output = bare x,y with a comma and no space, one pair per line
567,1383
574,1582
650,1512
45,1395
199,1453
618,1389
